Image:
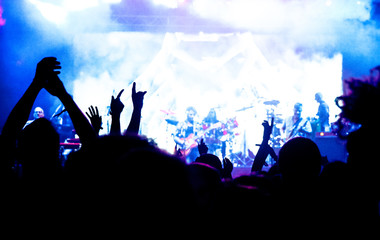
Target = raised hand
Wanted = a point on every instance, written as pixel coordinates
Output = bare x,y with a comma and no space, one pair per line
137,97
116,105
202,147
95,118
46,70
55,87
267,129
227,168
137,100
264,149
116,108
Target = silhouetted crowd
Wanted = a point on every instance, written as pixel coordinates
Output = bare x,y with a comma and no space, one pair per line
123,181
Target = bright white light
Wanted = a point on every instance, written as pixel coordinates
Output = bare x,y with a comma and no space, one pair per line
57,11
168,3
51,12
279,15
79,5
227,71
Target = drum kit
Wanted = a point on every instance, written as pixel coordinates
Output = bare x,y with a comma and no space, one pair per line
229,128
215,136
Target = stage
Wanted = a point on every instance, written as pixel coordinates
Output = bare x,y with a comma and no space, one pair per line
185,53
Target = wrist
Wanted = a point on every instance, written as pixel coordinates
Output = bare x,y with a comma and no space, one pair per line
115,115
36,84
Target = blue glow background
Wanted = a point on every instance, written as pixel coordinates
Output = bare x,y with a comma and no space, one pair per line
326,28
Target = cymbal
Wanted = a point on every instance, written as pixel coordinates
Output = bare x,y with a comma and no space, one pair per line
271,102
167,112
172,122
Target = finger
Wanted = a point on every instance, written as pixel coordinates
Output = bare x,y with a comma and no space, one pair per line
48,60
51,58
57,67
134,88
118,96
91,108
88,115
52,63
272,120
97,111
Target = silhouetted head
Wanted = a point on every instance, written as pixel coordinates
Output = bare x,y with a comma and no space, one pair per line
299,160
38,146
98,161
210,160
363,157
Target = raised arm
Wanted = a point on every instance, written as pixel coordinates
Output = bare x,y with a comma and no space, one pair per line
95,119
137,99
82,126
116,108
46,69
202,148
264,149
16,120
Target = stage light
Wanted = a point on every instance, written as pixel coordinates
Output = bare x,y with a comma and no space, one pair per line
57,12
51,12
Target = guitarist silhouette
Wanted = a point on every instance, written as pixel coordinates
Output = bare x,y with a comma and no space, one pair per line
188,134
296,126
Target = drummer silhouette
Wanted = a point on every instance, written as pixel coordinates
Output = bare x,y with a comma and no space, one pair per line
213,132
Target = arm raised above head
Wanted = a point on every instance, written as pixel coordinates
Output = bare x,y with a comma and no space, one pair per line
19,115
137,100
116,108
45,70
264,149
82,126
